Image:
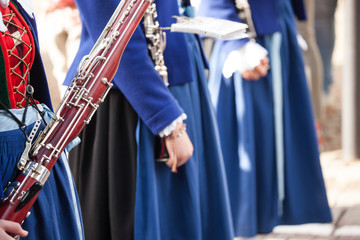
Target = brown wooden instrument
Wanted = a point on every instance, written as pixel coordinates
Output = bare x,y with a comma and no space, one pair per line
87,90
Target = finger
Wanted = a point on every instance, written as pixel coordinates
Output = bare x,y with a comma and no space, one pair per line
254,75
15,228
174,165
261,70
186,154
265,61
245,74
5,236
170,148
169,163
251,75
181,161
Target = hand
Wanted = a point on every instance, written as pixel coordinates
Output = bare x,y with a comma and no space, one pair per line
9,227
259,71
251,58
179,147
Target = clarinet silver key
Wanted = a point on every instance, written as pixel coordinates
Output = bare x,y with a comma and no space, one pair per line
25,155
156,41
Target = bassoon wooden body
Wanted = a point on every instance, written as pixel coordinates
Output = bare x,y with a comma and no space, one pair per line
87,90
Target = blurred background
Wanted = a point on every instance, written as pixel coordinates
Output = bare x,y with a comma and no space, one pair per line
59,30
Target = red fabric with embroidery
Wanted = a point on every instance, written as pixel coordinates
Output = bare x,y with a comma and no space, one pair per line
19,43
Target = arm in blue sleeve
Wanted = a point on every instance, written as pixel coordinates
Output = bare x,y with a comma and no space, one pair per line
136,77
143,86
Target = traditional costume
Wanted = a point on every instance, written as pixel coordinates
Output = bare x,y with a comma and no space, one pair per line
192,204
266,126
56,212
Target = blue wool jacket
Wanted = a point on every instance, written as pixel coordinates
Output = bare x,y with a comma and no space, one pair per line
136,77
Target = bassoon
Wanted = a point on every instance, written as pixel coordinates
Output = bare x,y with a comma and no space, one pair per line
87,90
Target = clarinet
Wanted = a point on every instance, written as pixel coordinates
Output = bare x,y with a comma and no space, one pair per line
156,39
88,89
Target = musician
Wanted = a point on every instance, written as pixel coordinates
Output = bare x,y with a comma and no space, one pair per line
115,167
24,99
272,160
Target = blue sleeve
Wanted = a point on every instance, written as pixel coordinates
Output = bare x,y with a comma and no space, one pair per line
143,86
224,9
136,77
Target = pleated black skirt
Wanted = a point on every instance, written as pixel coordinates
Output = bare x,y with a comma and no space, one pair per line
104,169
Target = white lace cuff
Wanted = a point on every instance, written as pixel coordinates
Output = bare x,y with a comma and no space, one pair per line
167,130
245,58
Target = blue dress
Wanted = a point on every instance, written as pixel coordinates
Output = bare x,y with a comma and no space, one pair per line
193,203
56,213
273,170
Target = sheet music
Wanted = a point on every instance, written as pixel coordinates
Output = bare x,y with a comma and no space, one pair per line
210,27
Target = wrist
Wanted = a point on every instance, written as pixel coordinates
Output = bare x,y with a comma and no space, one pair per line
171,127
178,131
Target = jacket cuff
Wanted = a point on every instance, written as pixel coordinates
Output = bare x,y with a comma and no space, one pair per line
170,113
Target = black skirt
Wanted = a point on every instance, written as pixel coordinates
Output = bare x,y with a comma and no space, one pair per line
104,169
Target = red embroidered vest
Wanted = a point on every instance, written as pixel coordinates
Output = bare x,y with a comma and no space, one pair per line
17,46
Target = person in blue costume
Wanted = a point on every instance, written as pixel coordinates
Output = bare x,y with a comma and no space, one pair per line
55,214
136,197
104,165
192,204
267,126
325,37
